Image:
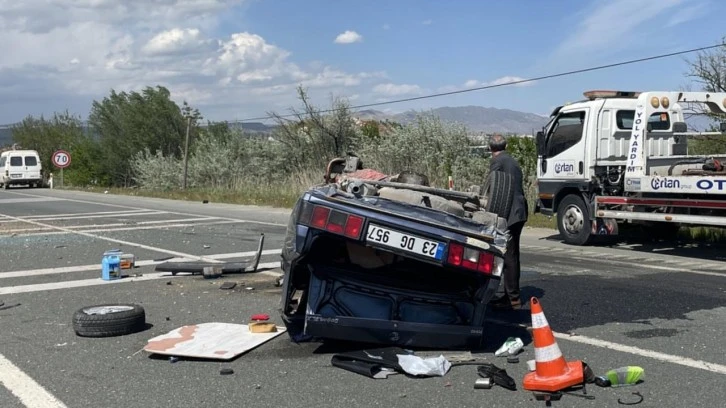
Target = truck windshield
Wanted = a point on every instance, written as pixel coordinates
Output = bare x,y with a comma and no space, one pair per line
658,120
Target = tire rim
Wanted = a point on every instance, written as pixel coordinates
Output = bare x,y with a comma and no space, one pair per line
574,220
102,310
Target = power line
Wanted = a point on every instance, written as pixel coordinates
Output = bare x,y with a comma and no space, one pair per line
520,81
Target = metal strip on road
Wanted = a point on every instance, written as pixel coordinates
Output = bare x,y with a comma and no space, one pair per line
29,392
93,267
40,287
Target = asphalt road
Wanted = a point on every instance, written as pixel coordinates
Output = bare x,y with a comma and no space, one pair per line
660,306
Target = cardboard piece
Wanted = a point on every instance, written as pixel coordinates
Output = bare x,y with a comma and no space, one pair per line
216,341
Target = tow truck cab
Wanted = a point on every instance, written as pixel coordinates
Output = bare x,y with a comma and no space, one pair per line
584,148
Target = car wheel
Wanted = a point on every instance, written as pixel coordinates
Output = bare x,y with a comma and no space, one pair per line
109,320
498,190
573,220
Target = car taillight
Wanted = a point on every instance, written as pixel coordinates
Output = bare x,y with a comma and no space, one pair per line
337,222
472,259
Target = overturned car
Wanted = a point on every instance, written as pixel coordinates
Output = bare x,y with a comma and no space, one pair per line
387,259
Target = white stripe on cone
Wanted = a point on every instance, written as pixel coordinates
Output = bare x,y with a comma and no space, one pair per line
547,353
539,321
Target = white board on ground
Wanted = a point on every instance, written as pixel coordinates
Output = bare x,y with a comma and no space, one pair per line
216,341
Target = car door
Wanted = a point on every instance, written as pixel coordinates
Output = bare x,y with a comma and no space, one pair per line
16,169
565,147
32,167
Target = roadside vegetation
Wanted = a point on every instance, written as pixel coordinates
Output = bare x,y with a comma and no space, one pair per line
134,143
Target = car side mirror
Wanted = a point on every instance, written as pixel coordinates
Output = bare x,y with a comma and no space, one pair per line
540,140
680,127
722,126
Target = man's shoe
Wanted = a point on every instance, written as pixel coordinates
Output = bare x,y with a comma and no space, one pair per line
504,303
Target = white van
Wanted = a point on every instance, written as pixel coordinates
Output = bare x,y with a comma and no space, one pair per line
20,167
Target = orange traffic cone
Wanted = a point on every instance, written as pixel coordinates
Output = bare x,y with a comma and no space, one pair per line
553,373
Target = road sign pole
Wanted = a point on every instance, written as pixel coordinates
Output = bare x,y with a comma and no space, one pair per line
61,177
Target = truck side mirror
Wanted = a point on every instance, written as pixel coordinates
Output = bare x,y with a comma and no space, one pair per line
680,127
540,140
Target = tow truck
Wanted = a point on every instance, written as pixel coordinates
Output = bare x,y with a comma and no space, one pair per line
621,157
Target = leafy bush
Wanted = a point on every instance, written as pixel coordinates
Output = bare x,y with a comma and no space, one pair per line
429,146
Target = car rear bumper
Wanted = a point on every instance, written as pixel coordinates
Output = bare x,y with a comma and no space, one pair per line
406,334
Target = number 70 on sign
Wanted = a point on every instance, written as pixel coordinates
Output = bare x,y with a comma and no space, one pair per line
61,159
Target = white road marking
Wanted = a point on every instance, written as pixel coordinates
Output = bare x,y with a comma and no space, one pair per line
98,281
100,213
38,199
656,355
29,392
97,266
116,227
274,224
88,216
118,241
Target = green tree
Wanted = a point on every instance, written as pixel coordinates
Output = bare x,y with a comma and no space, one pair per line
708,71
62,131
315,136
129,122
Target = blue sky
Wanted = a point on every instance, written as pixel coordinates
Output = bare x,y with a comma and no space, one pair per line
237,59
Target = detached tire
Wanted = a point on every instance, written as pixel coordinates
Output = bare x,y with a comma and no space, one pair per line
573,220
109,320
499,190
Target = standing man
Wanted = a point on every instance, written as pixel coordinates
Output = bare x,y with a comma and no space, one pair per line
502,161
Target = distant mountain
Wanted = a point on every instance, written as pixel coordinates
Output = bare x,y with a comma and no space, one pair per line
476,118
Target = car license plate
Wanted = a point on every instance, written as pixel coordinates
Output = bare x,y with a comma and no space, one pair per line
405,242
16,176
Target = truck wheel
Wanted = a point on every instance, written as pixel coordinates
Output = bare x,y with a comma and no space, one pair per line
109,320
498,190
573,220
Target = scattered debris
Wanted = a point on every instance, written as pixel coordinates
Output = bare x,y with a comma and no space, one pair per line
637,394
498,376
59,246
513,360
3,307
163,259
226,371
207,246
173,359
511,347
249,288
212,272
228,285
216,341
484,383
259,324
205,201
227,268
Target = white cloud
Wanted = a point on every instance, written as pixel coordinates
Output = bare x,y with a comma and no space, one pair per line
427,22
348,37
60,55
612,25
475,83
390,89
386,26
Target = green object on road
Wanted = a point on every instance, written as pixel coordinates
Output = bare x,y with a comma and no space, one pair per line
623,376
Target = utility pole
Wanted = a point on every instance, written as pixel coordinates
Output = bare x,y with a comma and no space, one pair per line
186,153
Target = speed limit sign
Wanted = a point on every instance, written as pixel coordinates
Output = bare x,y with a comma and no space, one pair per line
61,159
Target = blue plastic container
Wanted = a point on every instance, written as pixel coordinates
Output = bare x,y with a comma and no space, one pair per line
111,265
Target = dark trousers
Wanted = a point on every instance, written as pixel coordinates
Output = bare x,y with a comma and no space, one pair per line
511,271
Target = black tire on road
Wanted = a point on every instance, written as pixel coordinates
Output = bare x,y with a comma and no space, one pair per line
573,220
499,190
109,320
